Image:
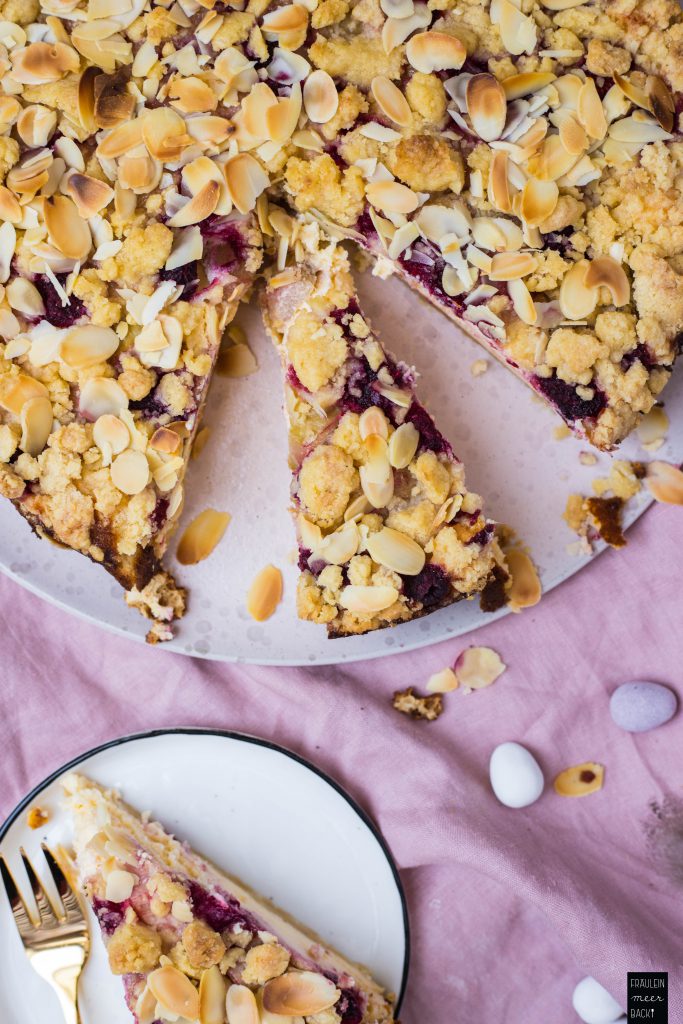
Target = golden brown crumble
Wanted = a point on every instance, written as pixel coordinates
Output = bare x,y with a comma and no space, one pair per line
410,703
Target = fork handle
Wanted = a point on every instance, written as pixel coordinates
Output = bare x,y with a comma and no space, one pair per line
62,970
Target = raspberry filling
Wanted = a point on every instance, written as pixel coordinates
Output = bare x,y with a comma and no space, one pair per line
109,915
55,313
218,911
431,587
565,399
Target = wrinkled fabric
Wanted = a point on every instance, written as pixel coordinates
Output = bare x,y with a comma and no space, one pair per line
509,908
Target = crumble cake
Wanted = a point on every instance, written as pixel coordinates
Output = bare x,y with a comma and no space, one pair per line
191,943
387,530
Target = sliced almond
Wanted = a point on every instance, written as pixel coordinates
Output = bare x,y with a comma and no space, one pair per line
86,98
198,208
478,667
435,51
130,473
573,135
444,681
339,547
36,424
403,444
321,98
526,83
522,301
391,101
87,345
632,92
89,194
119,885
201,536
164,134
174,990
486,106
241,1005
165,440
35,125
508,266
662,102
653,428
236,361
362,600
608,273
246,180
40,63
283,117
551,161
397,30
10,208
580,779
517,30
113,104
499,184
292,18
373,421
213,989
146,1007
577,300
525,585
111,435
15,391
192,96
538,200
24,297
265,593
121,140
67,230
391,197
639,129
100,396
396,551
590,111
665,482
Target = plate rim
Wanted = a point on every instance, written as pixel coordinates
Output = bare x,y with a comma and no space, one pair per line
234,734
415,645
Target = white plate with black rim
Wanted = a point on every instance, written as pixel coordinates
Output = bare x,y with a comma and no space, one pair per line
503,433
259,812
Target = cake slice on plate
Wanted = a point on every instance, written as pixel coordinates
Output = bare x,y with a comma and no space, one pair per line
189,942
387,530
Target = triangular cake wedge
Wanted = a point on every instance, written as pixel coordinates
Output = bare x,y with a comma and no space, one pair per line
387,530
186,938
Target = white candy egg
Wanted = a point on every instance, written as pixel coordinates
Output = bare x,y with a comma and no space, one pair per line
516,777
594,1004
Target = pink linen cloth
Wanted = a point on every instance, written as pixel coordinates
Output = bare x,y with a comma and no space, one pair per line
509,908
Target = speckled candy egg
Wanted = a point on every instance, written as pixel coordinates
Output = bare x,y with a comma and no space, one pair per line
594,1004
640,706
516,777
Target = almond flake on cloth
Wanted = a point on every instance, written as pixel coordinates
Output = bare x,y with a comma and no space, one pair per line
478,667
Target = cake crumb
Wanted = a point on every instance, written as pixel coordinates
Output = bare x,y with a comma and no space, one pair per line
588,459
561,431
479,367
37,817
410,703
602,515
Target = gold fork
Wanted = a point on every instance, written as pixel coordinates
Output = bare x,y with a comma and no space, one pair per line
57,942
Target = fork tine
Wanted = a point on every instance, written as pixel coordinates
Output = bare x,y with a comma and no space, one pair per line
47,913
22,918
70,900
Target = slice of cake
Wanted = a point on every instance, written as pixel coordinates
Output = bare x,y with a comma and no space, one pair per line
518,165
387,530
192,943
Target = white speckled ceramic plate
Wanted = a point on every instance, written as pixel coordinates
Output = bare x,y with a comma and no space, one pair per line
210,787
503,434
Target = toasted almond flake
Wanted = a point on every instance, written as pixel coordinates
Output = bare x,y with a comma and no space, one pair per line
526,84
292,18
363,600
638,130
662,102
282,119
39,63
121,139
486,106
398,8
577,300
525,585
665,482
391,100
89,194
507,266
551,161
119,885
36,424
373,421
608,273
24,297
201,536
573,135
403,238
130,472
442,682
35,125
499,184
653,428
15,391
213,989
391,197
435,51
188,246
451,282
396,551
518,31
198,208
338,547
174,991
478,667
632,92
488,234
522,301
320,96
164,134
88,345
165,440
111,435
192,96
538,200
66,228
435,221
590,111
246,180
241,1006
265,593
100,396
580,779
10,208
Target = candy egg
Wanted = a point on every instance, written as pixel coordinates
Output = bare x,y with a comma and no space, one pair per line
516,777
640,706
594,1004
